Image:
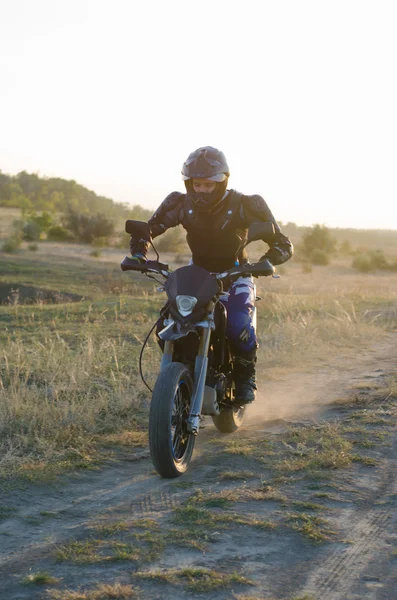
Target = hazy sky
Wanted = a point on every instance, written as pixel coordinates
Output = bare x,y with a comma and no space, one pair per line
300,95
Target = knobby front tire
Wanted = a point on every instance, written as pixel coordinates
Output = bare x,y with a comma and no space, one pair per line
171,447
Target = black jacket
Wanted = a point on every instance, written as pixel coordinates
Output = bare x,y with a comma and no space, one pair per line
215,238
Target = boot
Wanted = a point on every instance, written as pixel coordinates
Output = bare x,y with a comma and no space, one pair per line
244,377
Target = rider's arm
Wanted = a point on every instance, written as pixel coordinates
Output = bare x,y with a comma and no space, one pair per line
167,215
256,210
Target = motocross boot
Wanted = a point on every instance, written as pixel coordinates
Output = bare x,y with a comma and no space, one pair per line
244,377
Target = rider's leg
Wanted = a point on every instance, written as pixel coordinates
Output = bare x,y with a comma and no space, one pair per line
242,337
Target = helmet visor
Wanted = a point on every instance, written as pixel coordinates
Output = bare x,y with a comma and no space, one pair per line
218,177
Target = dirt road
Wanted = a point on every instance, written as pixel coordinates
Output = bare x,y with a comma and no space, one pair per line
261,514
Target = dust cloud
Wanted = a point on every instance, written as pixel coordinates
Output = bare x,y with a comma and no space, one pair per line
299,397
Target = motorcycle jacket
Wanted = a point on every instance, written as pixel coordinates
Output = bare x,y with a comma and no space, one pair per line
215,238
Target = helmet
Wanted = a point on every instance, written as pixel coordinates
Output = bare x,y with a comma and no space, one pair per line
206,163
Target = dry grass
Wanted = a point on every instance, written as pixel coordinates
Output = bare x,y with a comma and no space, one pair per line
313,448
68,373
196,580
115,591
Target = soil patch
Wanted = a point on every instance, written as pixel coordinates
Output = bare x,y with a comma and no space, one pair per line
26,294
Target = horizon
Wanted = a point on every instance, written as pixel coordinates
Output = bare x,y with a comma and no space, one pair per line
303,106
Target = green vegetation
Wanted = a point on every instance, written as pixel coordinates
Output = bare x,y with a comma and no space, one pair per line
314,528
40,578
28,191
196,580
370,260
316,448
317,245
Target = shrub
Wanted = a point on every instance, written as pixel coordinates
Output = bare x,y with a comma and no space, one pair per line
86,228
31,232
11,244
362,263
36,226
372,260
172,240
317,237
319,257
57,233
379,260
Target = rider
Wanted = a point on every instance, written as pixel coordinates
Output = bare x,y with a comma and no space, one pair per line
216,220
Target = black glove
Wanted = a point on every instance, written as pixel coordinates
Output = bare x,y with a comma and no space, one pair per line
138,248
276,255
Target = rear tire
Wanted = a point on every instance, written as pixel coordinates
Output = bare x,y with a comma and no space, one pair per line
229,419
171,447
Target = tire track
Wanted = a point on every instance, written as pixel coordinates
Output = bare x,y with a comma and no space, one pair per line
335,578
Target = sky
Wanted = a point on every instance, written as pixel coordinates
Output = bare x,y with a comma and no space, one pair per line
300,96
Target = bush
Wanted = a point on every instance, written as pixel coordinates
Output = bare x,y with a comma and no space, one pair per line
11,244
36,226
379,260
319,257
363,263
31,232
317,238
87,228
172,240
372,260
57,233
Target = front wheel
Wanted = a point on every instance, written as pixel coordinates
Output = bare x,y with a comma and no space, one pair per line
171,446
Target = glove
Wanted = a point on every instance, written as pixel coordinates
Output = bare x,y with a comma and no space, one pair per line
277,255
138,249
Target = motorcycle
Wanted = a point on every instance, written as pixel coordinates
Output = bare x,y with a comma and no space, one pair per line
195,377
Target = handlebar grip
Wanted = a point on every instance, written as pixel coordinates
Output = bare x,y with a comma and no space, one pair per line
127,264
152,266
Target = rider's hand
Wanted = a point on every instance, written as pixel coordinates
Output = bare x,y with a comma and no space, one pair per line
139,257
138,249
275,255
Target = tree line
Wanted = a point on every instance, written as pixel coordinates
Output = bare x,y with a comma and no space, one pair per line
30,192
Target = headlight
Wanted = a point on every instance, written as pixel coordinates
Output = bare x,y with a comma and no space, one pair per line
185,304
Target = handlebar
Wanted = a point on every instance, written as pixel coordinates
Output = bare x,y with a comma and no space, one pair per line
260,269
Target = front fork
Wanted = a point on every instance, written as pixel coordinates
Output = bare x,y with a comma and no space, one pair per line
200,370
200,375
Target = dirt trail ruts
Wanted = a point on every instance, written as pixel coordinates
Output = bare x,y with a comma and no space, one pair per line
360,563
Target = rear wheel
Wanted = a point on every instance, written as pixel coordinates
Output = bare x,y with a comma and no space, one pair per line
230,418
171,446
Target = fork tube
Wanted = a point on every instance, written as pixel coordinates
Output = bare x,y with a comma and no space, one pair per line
167,354
200,375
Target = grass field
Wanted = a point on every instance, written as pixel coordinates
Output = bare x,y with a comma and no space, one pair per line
69,383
